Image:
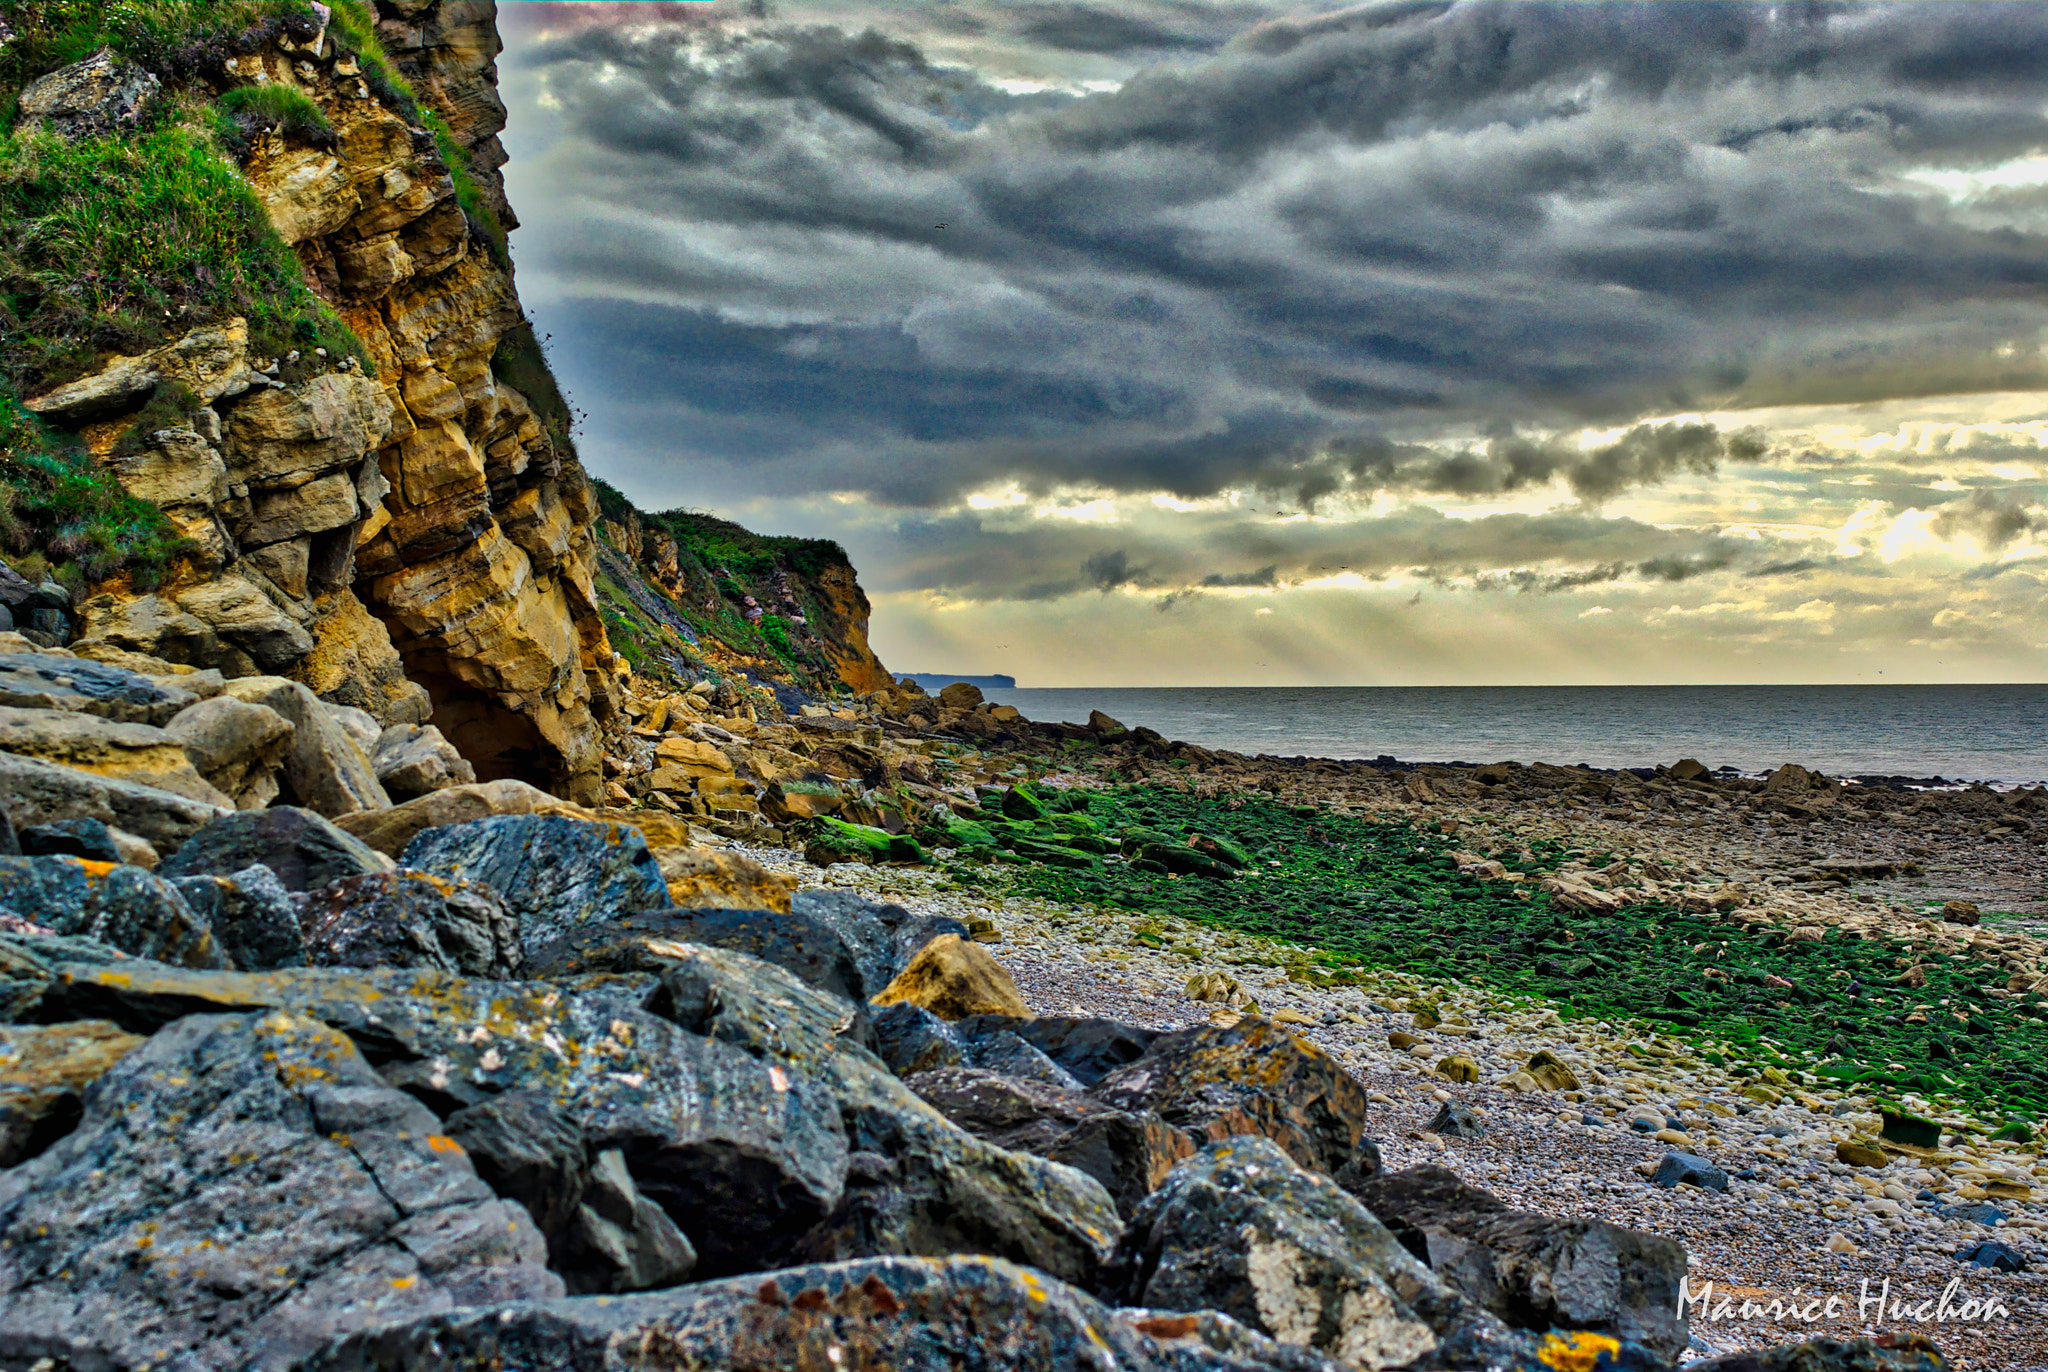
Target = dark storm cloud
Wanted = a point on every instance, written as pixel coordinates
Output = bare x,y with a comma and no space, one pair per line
972,556
1278,261
1992,517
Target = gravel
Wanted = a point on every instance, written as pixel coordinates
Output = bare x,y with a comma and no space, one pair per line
1794,1222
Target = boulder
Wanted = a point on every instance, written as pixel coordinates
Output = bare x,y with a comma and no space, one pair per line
1686,1169
325,771
953,979
410,919
388,831
1532,1271
80,838
602,1234
1239,1228
44,1070
1008,1055
45,681
413,760
1889,1354
251,914
895,1313
718,878
834,840
290,1196
1129,1154
556,874
303,849
1087,1049
123,907
39,792
89,99
137,753
960,695
236,746
910,1039
1254,1077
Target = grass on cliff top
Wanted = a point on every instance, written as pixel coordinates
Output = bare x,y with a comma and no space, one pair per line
169,37
1372,894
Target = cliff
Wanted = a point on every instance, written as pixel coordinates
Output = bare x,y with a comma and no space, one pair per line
298,424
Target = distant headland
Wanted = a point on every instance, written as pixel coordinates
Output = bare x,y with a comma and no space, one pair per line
936,681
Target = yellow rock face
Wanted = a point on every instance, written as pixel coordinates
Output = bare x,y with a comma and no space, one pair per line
707,878
953,979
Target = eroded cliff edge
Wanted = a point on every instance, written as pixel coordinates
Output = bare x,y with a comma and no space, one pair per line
378,496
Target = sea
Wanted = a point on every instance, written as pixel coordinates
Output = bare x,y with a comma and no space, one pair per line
1941,734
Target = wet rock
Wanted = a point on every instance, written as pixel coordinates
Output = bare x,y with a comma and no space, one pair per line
326,771
896,1313
1088,1049
123,907
701,877
884,936
291,1196
301,848
238,747
1532,1271
251,914
410,919
1254,1077
556,874
1241,1229
413,760
602,1234
80,838
953,979
1009,1055
1129,1154
1687,1169
44,1070
39,792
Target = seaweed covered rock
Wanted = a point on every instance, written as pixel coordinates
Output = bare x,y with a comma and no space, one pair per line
291,1196
903,1314
1255,1077
123,907
556,874
834,840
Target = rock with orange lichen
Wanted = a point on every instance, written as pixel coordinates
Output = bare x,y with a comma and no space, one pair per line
123,907
289,1196
411,919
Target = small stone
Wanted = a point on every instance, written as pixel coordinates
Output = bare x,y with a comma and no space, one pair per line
1675,1137
1458,1067
1841,1243
1861,1153
1688,1169
1456,1121
1960,912
1403,1040
1991,1254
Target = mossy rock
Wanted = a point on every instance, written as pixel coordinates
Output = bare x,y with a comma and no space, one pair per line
1901,1126
1021,802
1134,840
954,832
1074,822
1222,850
834,840
1186,861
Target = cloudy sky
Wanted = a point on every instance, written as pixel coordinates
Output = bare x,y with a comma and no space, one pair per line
1257,342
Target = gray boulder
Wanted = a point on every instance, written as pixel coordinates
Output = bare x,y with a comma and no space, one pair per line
42,792
251,914
556,874
88,99
238,747
1831,1355
302,849
80,838
1243,1230
289,1196
911,1039
45,681
1130,1155
959,1314
603,1235
326,770
414,759
410,919
1087,1049
123,907
1533,1271
1008,1054
882,937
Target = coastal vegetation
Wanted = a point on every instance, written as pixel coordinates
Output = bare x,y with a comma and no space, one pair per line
1366,894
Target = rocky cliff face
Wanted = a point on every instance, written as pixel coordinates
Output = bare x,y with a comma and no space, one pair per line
406,530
